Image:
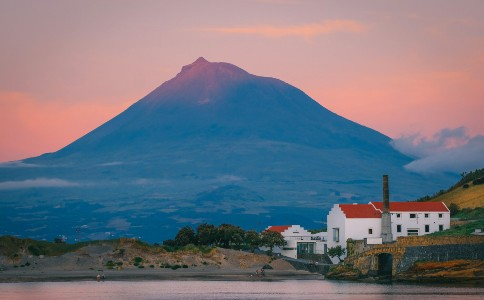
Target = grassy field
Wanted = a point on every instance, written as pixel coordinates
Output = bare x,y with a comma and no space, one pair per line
470,197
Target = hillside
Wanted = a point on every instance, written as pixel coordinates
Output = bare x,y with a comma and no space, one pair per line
470,197
467,193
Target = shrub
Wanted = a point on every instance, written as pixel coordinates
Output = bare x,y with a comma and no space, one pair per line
185,266
175,267
141,266
152,266
110,263
138,259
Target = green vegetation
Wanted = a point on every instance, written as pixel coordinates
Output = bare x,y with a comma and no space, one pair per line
11,246
228,236
337,251
463,229
470,213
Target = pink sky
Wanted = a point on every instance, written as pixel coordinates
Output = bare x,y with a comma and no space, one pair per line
399,67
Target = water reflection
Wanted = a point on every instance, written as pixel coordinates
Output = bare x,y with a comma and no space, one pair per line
297,289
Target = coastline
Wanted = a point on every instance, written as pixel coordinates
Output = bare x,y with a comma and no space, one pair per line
12,276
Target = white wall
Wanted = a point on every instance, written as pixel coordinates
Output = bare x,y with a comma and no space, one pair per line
297,234
358,228
419,222
336,219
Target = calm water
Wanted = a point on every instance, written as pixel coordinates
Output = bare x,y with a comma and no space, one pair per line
297,289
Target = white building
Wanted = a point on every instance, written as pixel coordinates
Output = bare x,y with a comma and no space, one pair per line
363,221
299,241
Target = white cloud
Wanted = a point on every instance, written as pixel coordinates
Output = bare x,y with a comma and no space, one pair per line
17,164
450,150
119,224
419,146
36,183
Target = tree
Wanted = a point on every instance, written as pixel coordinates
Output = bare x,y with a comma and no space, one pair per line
271,239
229,234
337,251
185,236
252,239
453,208
206,234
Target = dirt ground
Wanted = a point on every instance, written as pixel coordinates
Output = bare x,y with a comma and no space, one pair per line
128,262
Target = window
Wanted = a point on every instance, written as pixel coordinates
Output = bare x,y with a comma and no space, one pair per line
305,248
412,232
399,228
427,228
413,216
335,234
370,230
441,227
398,215
426,216
441,216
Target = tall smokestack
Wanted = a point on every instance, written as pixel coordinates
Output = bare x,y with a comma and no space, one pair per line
386,194
386,220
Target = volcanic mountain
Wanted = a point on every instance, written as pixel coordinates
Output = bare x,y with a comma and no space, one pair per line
214,144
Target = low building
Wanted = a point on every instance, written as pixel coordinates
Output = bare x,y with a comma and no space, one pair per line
300,243
364,221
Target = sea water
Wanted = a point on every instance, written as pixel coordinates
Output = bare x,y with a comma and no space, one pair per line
190,289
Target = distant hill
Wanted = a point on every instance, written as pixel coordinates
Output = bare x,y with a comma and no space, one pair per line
214,144
467,193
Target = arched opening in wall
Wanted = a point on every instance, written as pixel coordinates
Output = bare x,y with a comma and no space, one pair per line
385,264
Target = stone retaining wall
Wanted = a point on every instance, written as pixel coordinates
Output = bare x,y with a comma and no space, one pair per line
439,253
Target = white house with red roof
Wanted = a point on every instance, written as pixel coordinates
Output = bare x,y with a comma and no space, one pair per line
364,221
299,241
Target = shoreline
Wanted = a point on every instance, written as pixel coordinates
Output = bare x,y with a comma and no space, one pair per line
12,276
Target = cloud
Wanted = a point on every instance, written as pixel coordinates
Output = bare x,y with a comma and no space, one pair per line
179,219
113,163
36,183
17,164
305,31
419,146
450,150
119,224
228,178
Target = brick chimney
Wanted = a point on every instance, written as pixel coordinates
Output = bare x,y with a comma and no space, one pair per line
386,222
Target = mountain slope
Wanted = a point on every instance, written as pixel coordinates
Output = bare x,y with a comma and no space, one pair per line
214,144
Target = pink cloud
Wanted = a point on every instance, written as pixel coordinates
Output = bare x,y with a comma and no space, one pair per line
30,127
305,31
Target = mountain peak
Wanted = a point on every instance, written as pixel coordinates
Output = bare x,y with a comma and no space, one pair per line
200,60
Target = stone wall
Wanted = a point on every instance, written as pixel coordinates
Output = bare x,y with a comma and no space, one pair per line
438,240
407,250
300,264
439,253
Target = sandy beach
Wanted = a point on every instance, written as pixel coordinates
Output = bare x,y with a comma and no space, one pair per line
87,262
155,274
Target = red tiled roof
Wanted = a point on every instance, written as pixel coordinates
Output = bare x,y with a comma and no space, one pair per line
279,229
360,211
413,206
